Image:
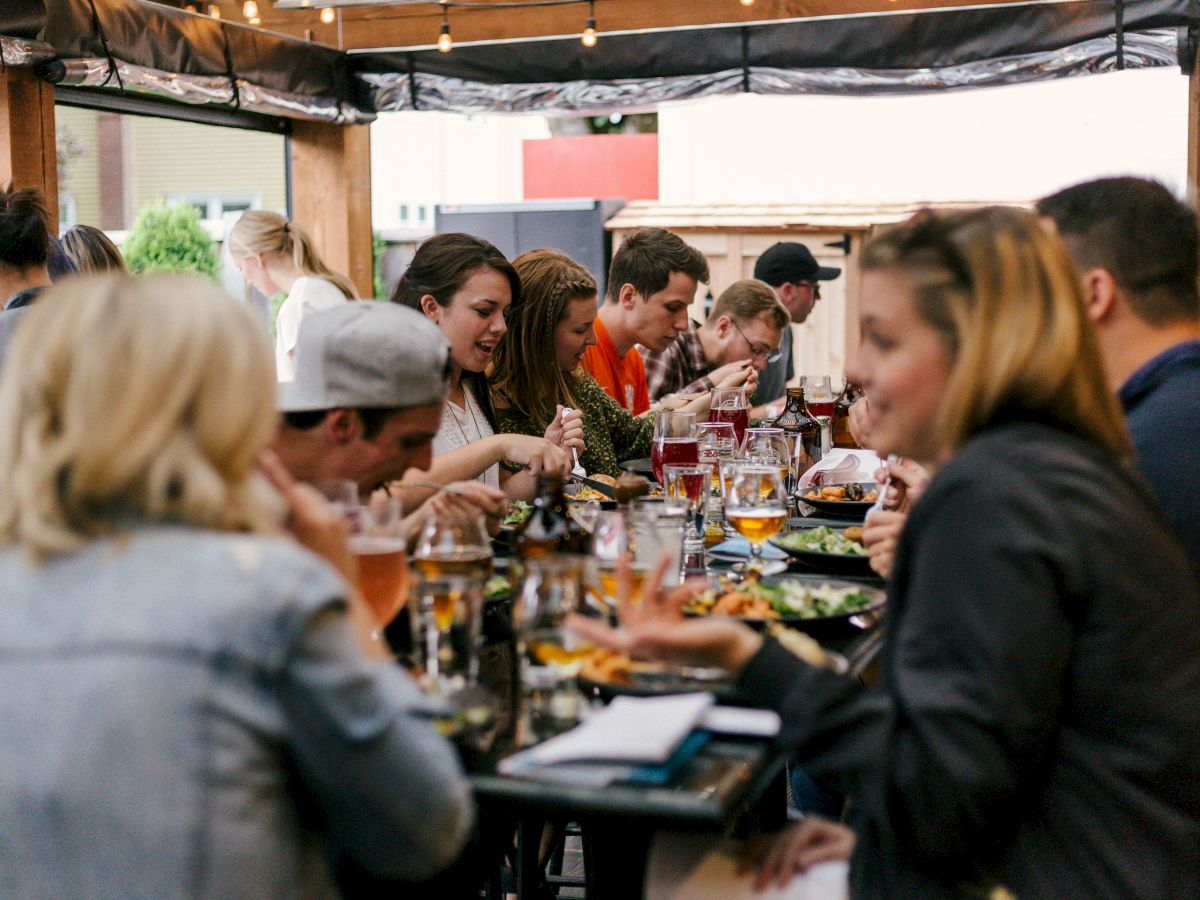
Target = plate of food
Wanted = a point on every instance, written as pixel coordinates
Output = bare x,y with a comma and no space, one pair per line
837,550
606,674
852,499
581,493
810,603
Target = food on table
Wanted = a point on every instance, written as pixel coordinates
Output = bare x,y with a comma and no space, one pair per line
853,492
498,587
583,492
606,666
824,540
752,599
518,512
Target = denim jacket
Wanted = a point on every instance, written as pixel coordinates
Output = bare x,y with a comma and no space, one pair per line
187,713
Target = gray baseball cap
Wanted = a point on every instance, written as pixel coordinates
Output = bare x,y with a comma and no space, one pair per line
369,354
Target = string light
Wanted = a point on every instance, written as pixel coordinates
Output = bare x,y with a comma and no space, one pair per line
255,20
747,2
588,39
445,42
214,10
250,10
328,15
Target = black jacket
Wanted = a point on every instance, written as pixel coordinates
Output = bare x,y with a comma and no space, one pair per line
1038,721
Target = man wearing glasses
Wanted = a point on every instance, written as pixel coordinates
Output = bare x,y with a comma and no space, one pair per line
742,333
796,276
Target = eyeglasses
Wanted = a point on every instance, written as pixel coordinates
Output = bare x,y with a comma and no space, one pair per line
758,350
816,288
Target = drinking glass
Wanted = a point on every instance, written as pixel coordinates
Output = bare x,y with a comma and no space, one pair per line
657,531
716,441
729,404
756,506
612,542
821,403
690,486
380,548
453,559
674,441
769,447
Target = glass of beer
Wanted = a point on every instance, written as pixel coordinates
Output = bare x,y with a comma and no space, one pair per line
551,590
756,507
729,404
769,447
380,549
612,542
453,559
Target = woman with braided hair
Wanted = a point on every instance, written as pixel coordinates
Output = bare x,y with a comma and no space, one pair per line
537,367
276,255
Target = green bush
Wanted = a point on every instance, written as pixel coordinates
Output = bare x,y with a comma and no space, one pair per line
170,239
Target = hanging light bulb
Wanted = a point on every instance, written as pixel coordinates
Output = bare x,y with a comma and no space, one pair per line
747,2
214,10
328,15
250,9
254,20
445,42
588,38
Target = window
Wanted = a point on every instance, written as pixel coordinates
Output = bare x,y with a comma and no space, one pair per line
403,212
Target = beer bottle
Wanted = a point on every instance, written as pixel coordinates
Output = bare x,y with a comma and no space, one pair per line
550,528
801,430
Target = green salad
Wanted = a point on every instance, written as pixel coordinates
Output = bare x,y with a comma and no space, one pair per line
497,588
821,540
518,512
793,598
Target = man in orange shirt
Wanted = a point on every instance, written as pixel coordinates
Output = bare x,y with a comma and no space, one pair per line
651,283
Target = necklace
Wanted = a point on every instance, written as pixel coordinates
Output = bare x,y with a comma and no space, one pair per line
468,405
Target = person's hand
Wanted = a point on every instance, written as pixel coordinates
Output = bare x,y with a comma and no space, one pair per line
567,431
734,374
908,482
535,454
656,628
312,520
881,534
860,423
800,846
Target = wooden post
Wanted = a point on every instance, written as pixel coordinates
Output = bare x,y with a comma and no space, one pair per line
1193,137
28,158
331,196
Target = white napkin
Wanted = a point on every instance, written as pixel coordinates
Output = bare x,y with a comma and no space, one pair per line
696,867
630,729
840,465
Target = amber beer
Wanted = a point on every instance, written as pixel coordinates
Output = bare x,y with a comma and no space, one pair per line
756,525
549,648
446,570
382,574
610,581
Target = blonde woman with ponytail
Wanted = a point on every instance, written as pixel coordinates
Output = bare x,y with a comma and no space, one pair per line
276,255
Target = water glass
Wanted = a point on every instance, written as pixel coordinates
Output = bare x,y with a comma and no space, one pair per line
690,486
657,532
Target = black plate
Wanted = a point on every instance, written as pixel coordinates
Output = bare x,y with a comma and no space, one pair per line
822,627
721,687
834,563
639,467
843,509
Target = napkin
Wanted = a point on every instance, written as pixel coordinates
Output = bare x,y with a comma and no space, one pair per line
739,548
628,730
697,867
840,465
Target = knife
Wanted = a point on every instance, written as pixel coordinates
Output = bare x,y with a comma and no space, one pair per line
606,489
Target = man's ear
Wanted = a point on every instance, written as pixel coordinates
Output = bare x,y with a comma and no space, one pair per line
627,295
1100,293
723,326
342,426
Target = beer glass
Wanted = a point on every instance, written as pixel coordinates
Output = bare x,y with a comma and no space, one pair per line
380,549
756,506
729,404
769,447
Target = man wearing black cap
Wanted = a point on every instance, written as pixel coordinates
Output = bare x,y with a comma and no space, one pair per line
795,275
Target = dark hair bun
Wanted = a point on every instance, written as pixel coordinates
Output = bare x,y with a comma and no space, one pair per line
24,228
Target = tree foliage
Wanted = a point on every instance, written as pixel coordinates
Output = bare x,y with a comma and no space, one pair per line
170,239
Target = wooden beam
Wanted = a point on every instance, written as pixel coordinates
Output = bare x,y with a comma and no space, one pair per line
28,156
331,196
417,24
1193,137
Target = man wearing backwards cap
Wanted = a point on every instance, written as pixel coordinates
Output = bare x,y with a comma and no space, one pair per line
367,399
795,274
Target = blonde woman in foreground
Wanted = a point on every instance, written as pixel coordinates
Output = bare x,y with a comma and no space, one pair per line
276,256
1035,728
178,672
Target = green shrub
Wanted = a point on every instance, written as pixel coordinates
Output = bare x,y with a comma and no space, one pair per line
170,239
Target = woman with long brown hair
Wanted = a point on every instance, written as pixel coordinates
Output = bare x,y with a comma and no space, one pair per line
1035,726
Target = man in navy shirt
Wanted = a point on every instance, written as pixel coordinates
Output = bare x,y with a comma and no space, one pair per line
1138,253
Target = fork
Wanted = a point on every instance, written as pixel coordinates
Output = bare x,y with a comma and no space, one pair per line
578,471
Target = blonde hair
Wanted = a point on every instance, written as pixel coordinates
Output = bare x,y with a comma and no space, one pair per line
92,251
525,372
1003,293
148,398
261,231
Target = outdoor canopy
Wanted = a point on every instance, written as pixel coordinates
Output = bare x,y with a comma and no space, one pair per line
135,45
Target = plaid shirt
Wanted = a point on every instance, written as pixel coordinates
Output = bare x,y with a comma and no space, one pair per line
680,369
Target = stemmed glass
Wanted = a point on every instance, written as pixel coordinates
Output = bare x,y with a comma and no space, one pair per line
729,404
454,560
689,487
821,403
674,441
769,447
756,506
